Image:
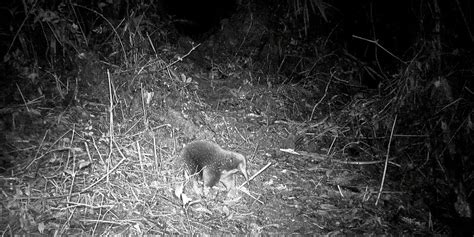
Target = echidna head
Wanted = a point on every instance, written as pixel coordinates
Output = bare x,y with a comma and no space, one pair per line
242,165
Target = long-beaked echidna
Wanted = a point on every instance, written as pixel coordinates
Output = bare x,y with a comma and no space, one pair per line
213,163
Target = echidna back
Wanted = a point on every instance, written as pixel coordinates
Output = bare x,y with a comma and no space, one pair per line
200,154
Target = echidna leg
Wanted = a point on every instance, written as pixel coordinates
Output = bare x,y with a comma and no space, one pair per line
209,179
228,180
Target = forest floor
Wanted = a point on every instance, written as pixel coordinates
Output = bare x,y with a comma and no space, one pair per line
89,171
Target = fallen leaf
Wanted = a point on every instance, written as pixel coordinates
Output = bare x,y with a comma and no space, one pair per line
41,227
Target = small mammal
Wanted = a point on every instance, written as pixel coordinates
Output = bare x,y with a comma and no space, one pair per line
213,163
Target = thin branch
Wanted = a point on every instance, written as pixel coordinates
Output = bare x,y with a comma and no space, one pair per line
386,160
376,42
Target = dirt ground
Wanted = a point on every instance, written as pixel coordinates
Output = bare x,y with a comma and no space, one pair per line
80,180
